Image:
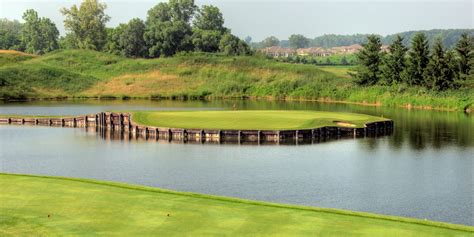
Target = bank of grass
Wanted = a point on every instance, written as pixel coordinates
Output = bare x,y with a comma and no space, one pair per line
12,57
45,206
251,119
82,73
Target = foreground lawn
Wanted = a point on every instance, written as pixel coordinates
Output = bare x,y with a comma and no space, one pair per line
251,119
45,206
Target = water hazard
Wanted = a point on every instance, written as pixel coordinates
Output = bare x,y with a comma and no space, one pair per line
424,169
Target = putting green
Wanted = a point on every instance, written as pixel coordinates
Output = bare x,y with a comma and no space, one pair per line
49,206
251,119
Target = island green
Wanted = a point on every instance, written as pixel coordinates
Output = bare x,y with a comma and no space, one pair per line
251,119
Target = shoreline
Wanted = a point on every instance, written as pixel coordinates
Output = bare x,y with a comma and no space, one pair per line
467,110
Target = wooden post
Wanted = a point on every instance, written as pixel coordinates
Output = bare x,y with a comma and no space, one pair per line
22,121
96,120
258,136
74,122
238,138
201,136
50,122
86,121
278,137
9,120
297,135
36,121
220,136
169,135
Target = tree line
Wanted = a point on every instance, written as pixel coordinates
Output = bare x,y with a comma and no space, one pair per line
449,38
170,28
418,65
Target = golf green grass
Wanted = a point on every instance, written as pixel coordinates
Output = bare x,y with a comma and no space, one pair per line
250,119
53,206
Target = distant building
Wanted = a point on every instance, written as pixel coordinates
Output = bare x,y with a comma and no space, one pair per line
278,52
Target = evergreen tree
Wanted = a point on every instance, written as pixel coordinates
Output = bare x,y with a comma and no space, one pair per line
344,61
418,60
464,48
369,60
453,71
438,74
395,62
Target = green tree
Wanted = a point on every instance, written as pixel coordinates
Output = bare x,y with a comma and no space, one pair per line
248,39
38,35
10,34
67,42
232,45
464,49
113,39
418,60
131,39
167,28
270,42
209,18
453,70
208,29
206,40
86,24
438,76
395,62
298,41
369,60
344,61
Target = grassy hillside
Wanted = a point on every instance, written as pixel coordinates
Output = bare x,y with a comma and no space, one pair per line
12,56
76,73
49,206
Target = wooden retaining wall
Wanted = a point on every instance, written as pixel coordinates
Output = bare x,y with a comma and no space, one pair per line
121,127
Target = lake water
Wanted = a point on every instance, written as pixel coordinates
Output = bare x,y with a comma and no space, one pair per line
423,170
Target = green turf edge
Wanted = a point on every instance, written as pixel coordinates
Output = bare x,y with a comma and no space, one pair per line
257,203
379,119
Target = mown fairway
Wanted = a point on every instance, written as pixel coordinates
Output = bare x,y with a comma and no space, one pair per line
42,206
250,119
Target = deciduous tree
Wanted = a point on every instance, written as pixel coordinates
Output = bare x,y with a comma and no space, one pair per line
131,39
86,24
298,41
270,42
10,34
38,35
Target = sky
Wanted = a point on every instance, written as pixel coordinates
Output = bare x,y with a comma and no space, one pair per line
281,18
